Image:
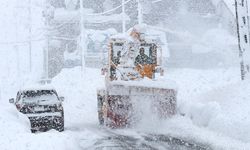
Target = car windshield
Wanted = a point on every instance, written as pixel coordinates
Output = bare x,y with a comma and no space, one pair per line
39,96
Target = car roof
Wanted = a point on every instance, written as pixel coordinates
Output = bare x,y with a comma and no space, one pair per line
37,87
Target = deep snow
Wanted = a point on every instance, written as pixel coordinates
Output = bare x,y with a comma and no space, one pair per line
214,104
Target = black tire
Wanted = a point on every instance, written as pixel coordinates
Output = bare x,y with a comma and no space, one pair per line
100,100
33,130
60,128
32,124
100,118
59,125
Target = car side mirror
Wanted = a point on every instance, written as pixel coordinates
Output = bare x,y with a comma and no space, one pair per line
62,98
104,71
11,100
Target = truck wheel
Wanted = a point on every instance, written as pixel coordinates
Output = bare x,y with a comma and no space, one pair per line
100,101
100,118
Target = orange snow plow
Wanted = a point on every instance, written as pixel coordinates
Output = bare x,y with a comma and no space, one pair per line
132,84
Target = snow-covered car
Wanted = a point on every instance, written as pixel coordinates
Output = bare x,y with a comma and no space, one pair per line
42,106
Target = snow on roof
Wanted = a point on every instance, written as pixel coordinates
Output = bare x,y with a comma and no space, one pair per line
107,18
100,35
122,36
37,87
150,34
138,28
154,34
230,4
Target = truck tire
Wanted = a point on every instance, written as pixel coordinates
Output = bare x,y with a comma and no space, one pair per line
100,118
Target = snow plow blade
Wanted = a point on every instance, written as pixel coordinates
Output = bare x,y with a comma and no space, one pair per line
122,105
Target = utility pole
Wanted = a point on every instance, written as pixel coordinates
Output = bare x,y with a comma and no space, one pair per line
82,37
140,13
123,17
29,19
30,37
16,38
48,14
242,20
46,49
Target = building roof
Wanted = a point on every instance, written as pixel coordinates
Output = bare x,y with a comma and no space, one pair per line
230,4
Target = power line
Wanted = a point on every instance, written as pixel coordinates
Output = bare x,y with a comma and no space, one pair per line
53,29
20,42
108,11
64,38
94,14
64,23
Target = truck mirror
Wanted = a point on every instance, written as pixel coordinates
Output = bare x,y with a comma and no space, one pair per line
11,100
103,71
161,72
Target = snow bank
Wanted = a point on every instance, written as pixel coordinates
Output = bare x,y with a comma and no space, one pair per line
80,109
220,105
217,101
79,91
233,119
15,134
10,119
215,105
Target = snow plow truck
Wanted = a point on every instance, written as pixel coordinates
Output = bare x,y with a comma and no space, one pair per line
134,82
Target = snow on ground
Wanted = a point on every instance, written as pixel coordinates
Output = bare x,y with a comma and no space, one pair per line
15,134
80,95
219,103
214,104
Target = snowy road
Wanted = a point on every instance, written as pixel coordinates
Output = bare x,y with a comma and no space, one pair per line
142,141
102,138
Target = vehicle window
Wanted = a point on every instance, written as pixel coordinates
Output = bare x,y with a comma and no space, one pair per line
39,96
18,96
147,51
